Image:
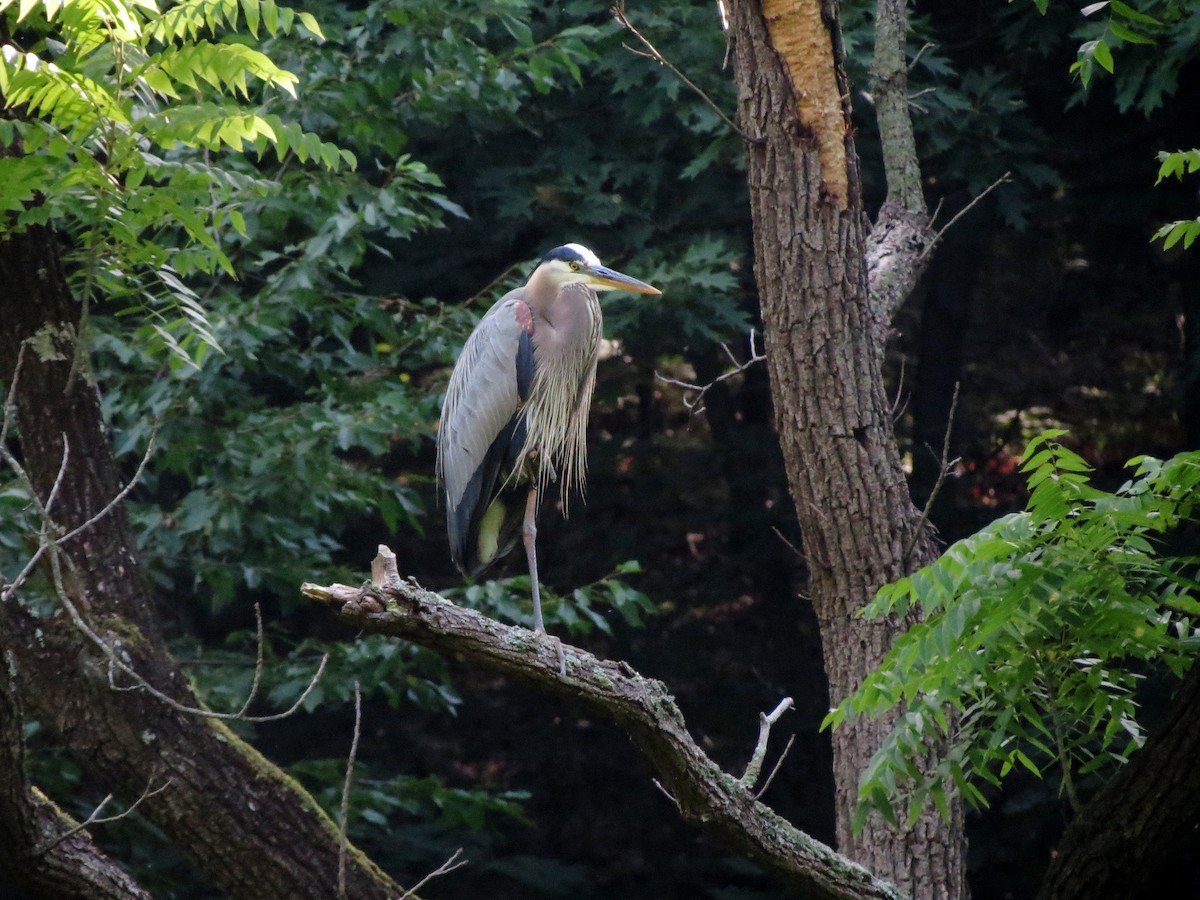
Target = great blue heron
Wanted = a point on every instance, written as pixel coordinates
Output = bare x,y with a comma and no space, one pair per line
515,414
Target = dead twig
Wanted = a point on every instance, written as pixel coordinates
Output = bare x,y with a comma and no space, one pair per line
345,810
96,819
765,721
45,538
1003,179
775,769
665,792
445,868
11,400
917,58
651,52
693,403
946,465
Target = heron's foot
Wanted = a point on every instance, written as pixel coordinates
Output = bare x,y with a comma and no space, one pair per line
558,650
562,659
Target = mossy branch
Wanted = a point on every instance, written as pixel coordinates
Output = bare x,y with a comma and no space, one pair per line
642,707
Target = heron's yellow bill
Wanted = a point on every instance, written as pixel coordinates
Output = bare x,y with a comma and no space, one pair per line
602,276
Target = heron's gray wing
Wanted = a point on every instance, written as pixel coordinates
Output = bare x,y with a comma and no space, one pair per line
481,431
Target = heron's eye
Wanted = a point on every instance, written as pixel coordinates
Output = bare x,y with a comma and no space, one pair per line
574,267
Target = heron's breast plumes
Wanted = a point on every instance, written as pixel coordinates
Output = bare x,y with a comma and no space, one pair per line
566,349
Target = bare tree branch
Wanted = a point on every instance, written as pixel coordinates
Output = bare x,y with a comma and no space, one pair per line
448,866
1003,179
775,769
345,809
96,819
642,707
943,471
618,13
50,543
693,403
765,721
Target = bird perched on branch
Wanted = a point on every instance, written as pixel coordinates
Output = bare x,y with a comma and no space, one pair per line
515,414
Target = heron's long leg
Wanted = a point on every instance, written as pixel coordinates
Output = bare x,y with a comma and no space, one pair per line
529,534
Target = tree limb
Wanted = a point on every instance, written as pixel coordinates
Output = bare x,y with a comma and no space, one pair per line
640,706
898,245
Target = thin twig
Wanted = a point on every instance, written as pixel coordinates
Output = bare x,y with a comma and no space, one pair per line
779,534
618,13
58,479
486,290
444,869
665,792
765,721
96,819
44,540
115,664
10,401
898,408
945,466
123,492
345,811
258,661
916,59
1003,179
693,403
776,768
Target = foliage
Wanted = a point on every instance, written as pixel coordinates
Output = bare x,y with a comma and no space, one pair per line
1177,164
373,800
1157,38
1035,634
106,96
509,599
395,673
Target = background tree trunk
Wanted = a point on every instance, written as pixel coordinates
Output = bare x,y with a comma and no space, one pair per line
1126,840
833,419
248,828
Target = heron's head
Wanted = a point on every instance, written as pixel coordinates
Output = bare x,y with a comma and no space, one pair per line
576,264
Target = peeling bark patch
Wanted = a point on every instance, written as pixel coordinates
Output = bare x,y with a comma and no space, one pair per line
800,35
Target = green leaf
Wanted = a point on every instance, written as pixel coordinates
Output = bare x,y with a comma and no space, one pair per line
1128,12
1127,34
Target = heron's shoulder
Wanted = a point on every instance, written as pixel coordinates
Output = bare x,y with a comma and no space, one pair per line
510,313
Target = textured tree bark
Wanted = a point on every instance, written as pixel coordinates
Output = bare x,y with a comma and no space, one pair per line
247,828
42,856
720,803
823,343
1129,832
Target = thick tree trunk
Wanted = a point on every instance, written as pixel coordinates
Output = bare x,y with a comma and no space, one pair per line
247,828
834,423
